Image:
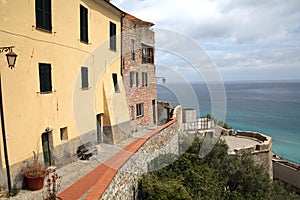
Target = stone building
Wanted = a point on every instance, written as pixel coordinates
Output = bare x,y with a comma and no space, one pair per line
138,70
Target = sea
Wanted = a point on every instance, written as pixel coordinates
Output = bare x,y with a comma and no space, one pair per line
268,107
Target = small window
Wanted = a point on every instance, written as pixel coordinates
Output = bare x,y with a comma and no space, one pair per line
133,50
139,110
112,36
43,14
134,79
115,80
147,54
144,78
132,112
84,78
64,133
83,24
45,78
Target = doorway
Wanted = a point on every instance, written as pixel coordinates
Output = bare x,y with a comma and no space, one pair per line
154,111
46,148
99,128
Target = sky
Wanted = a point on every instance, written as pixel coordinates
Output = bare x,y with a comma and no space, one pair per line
244,39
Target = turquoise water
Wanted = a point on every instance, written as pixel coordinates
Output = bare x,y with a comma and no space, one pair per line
272,108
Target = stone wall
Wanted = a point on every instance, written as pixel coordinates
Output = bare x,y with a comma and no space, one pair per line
125,182
262,152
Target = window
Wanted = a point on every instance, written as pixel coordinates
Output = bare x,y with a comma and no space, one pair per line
115,80
134,79
132,112
144,78
84,78
147,54
133,50
64,133
45,77
84,24
112,36
139,110
43,14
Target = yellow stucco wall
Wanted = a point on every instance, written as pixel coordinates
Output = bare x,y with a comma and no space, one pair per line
27,112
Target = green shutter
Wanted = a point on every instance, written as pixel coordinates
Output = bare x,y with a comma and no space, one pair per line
112,35
83,24
45,77
84,78
43,14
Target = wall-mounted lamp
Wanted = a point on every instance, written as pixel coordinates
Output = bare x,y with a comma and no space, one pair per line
11,56
162,78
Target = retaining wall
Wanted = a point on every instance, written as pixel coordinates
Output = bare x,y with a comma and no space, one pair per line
125,181
287,173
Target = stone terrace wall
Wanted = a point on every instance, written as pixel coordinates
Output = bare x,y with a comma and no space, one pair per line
262,153
124,184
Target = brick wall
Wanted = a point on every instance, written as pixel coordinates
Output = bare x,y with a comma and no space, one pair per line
140,33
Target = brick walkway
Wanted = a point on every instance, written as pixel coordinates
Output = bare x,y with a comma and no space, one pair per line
93,185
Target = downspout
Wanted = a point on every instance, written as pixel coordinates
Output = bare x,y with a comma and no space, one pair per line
123,15
4,142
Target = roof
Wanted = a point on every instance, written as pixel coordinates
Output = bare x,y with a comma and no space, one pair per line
137,20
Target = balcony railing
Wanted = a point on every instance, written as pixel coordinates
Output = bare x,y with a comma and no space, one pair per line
202,123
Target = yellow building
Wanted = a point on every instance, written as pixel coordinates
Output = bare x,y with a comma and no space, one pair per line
66,88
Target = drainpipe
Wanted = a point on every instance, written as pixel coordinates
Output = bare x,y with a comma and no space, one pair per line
123,15
4,142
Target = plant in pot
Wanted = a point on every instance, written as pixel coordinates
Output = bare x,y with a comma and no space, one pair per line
35,173
53,185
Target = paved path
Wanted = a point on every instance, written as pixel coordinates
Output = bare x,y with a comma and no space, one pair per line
73,172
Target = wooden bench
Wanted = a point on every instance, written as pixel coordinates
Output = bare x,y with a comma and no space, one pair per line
85,151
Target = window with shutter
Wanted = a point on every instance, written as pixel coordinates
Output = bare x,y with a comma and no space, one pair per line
112,36
147,54
134,79
144,78
115,81
84,78
133,50
43,14
45,78
83,24
139,110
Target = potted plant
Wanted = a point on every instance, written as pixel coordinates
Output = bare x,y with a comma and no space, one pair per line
35,173
53,185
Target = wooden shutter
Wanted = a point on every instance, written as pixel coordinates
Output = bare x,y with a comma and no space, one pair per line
137,79
43,14
45,77
112,35
84,78
131,79
83,24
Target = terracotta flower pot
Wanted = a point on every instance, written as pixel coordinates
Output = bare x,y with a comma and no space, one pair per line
35,183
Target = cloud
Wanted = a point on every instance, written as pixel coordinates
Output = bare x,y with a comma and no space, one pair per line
235,34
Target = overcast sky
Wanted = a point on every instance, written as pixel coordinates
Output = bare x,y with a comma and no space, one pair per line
246,39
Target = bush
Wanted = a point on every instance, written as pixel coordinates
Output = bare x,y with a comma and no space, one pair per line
216,176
